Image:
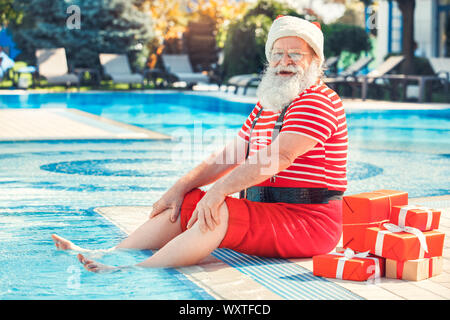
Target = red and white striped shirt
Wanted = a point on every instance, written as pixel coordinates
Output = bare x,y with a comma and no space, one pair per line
317,113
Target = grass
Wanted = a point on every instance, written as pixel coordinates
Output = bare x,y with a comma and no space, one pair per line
107,85
86,84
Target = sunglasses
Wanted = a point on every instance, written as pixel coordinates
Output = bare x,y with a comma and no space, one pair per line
295,56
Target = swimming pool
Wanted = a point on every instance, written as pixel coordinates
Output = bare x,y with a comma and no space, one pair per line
397,149
52,187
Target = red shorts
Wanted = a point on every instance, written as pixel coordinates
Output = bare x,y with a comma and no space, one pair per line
275,229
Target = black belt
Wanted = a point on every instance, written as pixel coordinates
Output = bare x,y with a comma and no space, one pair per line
291,195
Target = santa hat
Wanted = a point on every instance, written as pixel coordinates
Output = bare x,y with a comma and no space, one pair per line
288,26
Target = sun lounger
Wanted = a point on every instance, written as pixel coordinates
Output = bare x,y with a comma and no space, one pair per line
439,66
117,67
347,75
356,67
243,80
350,71
178,65
385,67
52,65
6,63
330,65
378,73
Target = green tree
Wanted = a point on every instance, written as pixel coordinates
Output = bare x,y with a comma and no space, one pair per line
407,8
114,26
244,46
8,12
271,9
221,12
339,37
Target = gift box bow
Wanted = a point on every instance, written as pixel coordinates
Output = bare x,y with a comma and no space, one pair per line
350,254
392,228
404,211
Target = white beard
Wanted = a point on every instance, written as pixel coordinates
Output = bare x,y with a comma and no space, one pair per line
275,92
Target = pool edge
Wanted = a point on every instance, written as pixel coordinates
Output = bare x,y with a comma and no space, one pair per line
218,279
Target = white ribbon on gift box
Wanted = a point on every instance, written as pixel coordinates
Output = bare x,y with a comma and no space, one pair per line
392,228
350,254
404,211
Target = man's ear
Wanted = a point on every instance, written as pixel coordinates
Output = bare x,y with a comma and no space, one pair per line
315,58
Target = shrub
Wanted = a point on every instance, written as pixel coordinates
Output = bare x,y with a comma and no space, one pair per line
339,37
110,26
244,47
421,66
246,38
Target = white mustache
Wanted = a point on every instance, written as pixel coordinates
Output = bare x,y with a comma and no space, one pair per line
293,69
275,91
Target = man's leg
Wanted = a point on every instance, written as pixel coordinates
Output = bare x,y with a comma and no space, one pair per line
191,246
152,234
185,249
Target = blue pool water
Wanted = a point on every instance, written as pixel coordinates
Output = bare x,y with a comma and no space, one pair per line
52,187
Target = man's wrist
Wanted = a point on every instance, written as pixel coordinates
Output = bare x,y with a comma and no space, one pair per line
218,188
182,186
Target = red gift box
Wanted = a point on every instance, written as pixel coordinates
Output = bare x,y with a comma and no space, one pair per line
419,217
348,266
354,235
405,243
369,207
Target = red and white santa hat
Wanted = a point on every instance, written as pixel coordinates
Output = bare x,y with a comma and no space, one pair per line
288,26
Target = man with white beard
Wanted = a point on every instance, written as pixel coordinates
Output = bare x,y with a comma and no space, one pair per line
280,85
288,162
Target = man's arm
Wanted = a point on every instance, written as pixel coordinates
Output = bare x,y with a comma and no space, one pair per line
265,163
215,166
210,170
257,168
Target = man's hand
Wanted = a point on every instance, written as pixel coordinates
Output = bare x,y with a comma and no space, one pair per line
207,211
172,199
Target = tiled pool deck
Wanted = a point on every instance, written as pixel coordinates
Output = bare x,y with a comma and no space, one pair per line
66,124
223,280
225,274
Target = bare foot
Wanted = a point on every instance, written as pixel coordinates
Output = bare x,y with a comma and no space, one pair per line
91,265
64,244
